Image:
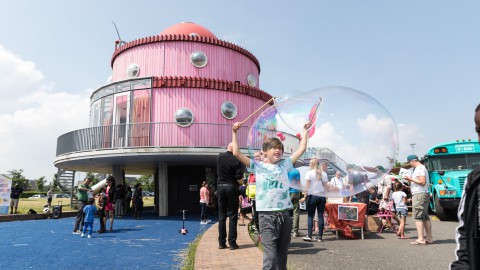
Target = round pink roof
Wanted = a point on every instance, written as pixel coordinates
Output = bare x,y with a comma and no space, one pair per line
188,28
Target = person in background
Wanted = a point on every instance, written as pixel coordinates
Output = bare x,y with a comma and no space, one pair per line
110,206
467,234
245,205
49,197
102,201
82,195
336,183
89,212
400,199
128,200
15,198
316,180
295,187
229,171
373,201
204,201
119,200
251,191
138,200
420,201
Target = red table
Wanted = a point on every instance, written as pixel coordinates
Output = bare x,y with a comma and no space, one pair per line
350,216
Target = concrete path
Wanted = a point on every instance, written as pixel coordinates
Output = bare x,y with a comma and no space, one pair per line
208,256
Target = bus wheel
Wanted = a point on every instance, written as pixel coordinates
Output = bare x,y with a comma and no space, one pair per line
439,211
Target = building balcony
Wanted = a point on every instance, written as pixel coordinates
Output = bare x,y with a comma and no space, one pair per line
138,147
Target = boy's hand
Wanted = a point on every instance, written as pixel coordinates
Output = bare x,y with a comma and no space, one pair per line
307,125
236,126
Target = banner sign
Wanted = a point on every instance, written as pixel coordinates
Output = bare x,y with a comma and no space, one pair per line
5,186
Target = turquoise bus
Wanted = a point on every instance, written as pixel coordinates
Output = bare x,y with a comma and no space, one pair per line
448,165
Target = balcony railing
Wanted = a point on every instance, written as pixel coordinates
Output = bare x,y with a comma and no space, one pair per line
202,135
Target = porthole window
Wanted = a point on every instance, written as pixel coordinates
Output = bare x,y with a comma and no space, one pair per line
184,117
229,110
133,70
251,80
198,59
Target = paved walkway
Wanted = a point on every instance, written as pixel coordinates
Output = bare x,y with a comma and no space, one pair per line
208,256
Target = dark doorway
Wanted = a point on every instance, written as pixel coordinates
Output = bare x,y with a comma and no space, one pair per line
184,185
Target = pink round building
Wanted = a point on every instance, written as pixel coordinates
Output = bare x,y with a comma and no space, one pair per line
167,111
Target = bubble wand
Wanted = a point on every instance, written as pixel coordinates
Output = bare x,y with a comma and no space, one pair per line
266,103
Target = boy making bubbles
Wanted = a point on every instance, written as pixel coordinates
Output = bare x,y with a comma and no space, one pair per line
272,195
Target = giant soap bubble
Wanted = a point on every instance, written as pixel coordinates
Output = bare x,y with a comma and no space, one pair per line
352,132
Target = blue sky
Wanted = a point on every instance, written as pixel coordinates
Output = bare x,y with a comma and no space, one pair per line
420,59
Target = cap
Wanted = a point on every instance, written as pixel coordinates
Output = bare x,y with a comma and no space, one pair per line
412,157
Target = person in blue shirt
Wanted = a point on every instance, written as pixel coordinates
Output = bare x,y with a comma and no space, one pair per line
89,212
294,181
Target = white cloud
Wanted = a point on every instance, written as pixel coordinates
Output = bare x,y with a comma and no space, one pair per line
411,134
36,117
18,77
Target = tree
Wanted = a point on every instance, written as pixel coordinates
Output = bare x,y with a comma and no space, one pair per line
17,177
146,181
92,176
55,185
40,182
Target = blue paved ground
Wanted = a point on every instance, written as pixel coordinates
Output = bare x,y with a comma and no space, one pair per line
150,243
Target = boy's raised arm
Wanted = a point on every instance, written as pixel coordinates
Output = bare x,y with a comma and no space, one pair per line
236,151
303,144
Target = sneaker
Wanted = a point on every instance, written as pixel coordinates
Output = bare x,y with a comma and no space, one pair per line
222,246
77,232
296,234
208,221
307,238
89,236
317,239
202,222
83,235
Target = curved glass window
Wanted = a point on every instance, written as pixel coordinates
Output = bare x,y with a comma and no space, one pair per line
198,59
133,70
184,117
229,110
251,80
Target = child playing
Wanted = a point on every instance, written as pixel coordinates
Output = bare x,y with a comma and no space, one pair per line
272,195
400,199
89,212
102,201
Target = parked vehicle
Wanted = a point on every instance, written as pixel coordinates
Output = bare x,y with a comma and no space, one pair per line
37,196
448,165
61,195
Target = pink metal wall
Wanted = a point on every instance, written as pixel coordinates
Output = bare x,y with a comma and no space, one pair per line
205,106
173,59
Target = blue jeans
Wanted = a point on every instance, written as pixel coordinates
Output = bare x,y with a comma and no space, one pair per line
275,229
90,227
316,203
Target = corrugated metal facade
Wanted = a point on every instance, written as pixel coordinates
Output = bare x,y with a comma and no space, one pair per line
173,59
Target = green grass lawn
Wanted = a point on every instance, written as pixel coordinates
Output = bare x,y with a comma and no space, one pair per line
37,204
